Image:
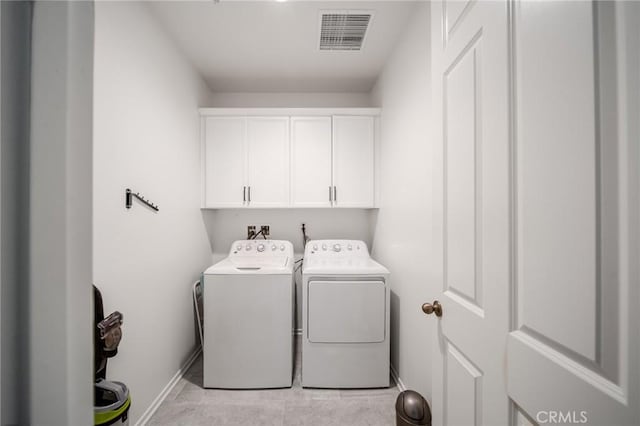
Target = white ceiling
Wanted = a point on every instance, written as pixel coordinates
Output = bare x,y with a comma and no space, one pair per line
269,46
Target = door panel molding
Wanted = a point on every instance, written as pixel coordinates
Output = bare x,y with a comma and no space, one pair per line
464,301
555,212
458,11
462,388
563,361
465,66
532,363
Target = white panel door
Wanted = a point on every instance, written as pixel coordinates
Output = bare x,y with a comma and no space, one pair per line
311,162
573,353
224,161
471,211
268,161
353,161
536,107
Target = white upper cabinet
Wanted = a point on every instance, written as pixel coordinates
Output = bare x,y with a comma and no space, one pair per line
246,162
224,161
267,161
353,161
288,157
311,183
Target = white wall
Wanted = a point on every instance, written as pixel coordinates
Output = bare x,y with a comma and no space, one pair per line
402,226
147,138
299,100
226,226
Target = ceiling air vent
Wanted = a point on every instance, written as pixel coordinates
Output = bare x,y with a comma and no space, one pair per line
343,30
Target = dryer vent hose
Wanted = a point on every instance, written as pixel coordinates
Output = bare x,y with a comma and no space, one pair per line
305,239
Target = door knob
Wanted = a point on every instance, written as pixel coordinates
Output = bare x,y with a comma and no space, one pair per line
429,308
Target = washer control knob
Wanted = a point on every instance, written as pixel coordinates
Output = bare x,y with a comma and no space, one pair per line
239,247
282,247
260,248
248,248
337,247
315,247
349,247
273,247
324,247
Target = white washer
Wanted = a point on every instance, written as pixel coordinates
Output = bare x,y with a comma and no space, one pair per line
345,316
249,317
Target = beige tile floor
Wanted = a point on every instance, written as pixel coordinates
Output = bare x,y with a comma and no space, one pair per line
190,404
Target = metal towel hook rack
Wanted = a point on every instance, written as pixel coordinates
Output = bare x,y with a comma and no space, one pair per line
129,200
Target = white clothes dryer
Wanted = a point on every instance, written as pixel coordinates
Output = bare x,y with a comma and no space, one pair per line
248,303
345,316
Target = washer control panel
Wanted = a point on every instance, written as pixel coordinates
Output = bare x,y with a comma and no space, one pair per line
266,248
336,248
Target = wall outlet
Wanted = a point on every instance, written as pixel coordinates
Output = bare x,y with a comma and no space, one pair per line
251,231
265,230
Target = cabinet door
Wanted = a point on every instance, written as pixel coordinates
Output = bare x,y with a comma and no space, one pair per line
268,161
353,161
311,161
224,163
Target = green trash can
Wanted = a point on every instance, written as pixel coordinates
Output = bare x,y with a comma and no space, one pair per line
112,403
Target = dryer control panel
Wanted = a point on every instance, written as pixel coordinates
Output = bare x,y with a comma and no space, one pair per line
262,248
336,249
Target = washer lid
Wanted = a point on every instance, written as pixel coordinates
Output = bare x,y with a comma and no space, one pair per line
255,265
342,266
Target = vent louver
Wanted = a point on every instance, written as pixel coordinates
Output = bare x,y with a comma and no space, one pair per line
343,30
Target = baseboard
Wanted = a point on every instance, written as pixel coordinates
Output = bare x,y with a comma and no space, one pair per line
150,411
396,378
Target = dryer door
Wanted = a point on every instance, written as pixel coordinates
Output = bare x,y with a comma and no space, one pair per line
346,311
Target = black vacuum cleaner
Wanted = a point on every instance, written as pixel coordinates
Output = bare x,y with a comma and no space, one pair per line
111,399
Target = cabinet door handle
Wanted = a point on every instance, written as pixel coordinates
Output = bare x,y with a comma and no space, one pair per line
244,194
249,193
330,195
335,194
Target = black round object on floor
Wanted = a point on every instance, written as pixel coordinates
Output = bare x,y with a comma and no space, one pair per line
412,409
